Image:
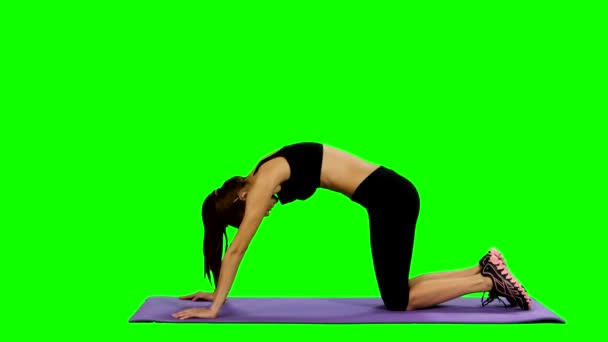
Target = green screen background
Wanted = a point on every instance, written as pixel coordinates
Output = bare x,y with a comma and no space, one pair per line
118,119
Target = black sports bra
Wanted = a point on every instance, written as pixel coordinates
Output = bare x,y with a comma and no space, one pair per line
304,161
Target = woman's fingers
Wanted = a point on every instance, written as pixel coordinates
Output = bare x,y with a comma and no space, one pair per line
202,296
181,314
185,314
198,296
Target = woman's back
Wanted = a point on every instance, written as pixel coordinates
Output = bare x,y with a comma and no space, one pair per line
340,171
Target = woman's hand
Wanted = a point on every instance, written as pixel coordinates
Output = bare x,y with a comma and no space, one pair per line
205,296
196,313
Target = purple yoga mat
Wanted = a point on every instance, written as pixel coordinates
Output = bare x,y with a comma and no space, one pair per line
342,310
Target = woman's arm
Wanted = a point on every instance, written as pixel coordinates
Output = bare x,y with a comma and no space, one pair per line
255,210
230,265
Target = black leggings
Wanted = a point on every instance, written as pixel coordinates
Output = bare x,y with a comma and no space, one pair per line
393,204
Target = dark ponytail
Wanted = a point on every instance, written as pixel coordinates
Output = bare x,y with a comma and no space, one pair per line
219,211
215,229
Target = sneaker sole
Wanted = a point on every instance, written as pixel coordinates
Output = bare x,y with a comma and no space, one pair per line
495,252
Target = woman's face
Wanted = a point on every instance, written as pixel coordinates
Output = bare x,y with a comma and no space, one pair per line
273,200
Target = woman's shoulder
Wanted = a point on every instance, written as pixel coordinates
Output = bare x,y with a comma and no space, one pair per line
263,161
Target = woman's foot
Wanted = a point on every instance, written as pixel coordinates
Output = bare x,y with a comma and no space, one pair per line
504,283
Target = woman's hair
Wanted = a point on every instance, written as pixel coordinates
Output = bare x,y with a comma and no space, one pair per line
219,211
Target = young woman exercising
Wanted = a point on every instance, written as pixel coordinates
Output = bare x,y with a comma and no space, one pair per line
294,173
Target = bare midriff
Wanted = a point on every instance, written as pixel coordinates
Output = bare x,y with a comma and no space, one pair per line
342,172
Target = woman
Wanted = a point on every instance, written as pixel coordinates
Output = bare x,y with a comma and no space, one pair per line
294,173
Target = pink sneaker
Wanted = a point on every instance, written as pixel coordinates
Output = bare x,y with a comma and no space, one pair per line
493,294
504,284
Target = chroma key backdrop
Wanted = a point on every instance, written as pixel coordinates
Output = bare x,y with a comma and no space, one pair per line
119,118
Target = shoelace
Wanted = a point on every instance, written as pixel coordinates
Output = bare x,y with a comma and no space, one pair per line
490,299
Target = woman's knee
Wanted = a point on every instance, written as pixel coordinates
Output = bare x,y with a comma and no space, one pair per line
396,305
